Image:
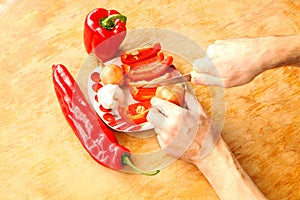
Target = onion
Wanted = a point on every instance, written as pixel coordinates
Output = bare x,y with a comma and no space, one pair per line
111,74
173,93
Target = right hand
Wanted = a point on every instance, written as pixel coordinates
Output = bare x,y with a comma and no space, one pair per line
233,62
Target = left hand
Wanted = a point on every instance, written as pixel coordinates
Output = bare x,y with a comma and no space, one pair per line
180,131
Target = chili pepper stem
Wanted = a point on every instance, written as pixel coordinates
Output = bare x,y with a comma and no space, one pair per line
126,160
109,22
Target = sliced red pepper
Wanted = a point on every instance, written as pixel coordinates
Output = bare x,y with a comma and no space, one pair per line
142,83
96,87
143,94
126,68
148,72
140,54
136,113
109,117
95,76
104,109
158,58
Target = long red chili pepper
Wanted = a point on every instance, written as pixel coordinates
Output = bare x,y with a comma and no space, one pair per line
96,138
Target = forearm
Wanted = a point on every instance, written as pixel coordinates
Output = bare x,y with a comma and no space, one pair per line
226,176
282,51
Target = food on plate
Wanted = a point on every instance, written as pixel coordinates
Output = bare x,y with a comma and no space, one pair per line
143,94
150,71
142,83
157,58
172,93
104,31
145,63
136,113
95,76
131,104
96,138
111,96
141,54
111,74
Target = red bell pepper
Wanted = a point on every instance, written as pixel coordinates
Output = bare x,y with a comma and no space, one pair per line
104,31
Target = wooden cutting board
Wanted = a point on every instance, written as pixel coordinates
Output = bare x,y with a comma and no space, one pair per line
40,156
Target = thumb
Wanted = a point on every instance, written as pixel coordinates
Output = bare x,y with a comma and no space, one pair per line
206,79
193,104
204,65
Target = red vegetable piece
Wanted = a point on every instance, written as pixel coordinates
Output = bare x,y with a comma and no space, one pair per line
95,76
104,109
86,128
96,138
136,113
158,58
96,87
126,68
143,94
109,117
151,71
140,54
104,31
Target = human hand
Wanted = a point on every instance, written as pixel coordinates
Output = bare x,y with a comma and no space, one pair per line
180,131
183,132
233,62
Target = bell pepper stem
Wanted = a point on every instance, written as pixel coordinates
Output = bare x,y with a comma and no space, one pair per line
126,161
109,21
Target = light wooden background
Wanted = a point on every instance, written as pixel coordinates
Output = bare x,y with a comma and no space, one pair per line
41,158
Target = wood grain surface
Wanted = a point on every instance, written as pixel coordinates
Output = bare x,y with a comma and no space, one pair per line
41,158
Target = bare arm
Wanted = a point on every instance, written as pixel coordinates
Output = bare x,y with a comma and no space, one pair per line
235,62
226,175
286,51
181,133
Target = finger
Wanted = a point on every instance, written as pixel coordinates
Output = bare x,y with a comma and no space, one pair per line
204,65
206,79
156,118
161,142
193,104
165,107
191,101
165,139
